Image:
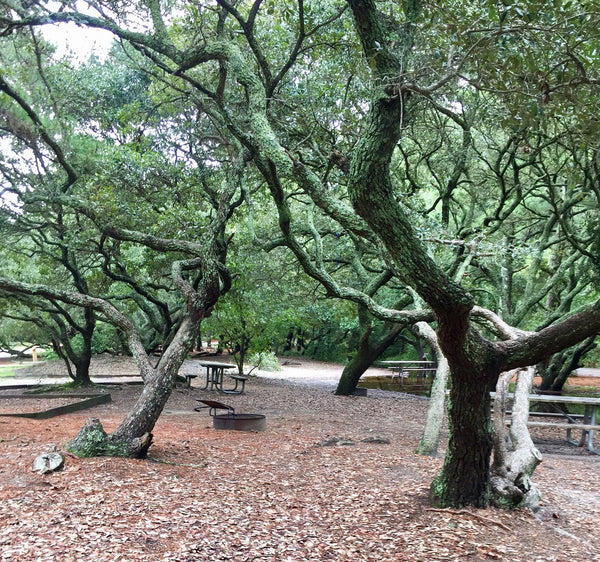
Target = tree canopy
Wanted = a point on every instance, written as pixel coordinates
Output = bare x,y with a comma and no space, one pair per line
426,163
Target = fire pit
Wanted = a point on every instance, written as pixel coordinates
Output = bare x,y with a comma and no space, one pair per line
231,420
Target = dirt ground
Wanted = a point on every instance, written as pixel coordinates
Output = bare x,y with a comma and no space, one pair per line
331,478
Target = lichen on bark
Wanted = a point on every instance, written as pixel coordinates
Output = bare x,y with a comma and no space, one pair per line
93,441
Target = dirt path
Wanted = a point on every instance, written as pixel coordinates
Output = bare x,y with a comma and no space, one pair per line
108,368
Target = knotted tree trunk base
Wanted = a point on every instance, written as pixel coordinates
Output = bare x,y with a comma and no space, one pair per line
511,490
511,471
93,441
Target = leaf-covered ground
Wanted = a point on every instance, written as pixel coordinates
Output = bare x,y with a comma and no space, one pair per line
313,486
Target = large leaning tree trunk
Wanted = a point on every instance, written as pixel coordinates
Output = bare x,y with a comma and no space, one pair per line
133,437
369,349
464,478
475,361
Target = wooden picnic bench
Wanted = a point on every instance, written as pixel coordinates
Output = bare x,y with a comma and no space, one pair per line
238,379
403,369
214,377
587,422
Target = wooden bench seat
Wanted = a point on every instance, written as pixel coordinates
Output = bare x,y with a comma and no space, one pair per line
238,379
586,429
188,379
562,425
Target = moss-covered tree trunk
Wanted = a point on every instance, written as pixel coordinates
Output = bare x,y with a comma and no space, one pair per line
557,370
369,349
133,437
464,478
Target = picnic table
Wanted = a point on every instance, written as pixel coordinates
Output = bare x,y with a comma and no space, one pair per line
214,377
404,369
587,423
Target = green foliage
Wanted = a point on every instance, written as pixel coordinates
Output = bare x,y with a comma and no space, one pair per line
265,361
592,359
108,339
8,371
488,157
248,319
331,333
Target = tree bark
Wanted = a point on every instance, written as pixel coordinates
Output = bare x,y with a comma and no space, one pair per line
463,479
430,440
511,471
133,437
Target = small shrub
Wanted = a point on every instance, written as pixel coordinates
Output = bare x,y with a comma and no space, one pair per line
265,360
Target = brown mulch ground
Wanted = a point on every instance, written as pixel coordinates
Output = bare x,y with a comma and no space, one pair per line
277,495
